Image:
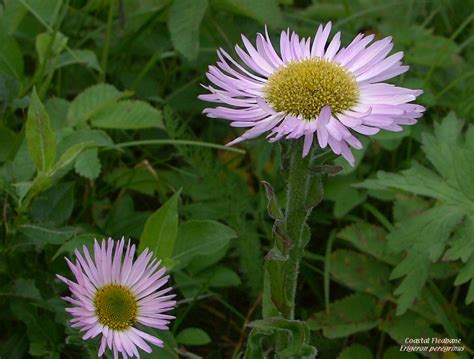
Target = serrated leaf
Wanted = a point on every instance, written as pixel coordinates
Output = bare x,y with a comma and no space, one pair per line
347,316
161,229
462,242
91,101
417,180
128,115
264,11
356,351
184,21
426,233
39,135
88,164
416,272
406,207
361,272
193,336
424,237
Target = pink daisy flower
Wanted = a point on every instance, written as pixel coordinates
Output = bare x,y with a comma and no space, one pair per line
312,88
111,294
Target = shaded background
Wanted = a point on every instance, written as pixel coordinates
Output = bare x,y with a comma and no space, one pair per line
387,260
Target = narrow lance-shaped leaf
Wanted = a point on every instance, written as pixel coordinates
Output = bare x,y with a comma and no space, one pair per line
161,229
39,135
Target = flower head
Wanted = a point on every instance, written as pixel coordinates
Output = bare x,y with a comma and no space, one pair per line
111,294
312,88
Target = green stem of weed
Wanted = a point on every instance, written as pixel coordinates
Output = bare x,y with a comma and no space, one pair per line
295,217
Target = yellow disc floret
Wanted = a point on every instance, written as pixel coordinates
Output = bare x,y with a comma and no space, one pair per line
305,87
116,307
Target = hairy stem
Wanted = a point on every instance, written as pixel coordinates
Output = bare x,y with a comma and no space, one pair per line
296,212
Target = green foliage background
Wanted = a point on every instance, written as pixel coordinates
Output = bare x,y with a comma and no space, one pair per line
101,134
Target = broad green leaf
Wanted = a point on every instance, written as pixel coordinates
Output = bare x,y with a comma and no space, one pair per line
264,11
222,277
361,272
77,242
45,11
26,288
55,205
345,197
78,57
7,141
200,238
161,229
193,336
11,57
46,45
430,49
353,314
27,191
128,115
91,101
369,239
13,13
356,351
39,234
138,179
409,325
97,137
57,109
184,21
40,136
63,165
88,164
124,220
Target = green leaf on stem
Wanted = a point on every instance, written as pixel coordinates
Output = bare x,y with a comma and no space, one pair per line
161,229
40,136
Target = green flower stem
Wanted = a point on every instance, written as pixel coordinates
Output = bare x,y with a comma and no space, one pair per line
296,212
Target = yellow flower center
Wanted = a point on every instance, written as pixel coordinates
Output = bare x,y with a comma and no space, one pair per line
305,87
116,307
